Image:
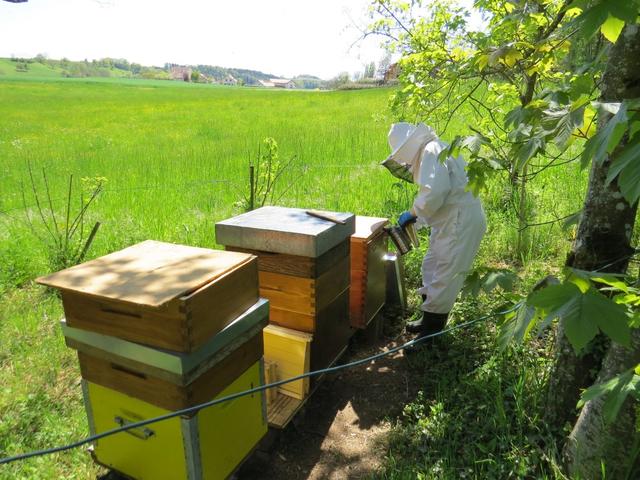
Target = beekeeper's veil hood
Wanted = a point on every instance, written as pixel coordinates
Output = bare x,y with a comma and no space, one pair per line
407,142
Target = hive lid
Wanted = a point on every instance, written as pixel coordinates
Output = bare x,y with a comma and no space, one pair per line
285,230
149,273
182,364
367,227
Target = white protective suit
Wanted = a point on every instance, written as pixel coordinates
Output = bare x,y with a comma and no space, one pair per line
455,215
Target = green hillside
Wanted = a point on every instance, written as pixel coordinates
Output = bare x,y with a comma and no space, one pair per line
45,68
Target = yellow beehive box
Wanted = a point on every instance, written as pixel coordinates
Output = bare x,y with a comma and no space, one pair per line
208,445
290,351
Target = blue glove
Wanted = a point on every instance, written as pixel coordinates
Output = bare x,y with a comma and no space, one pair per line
406,218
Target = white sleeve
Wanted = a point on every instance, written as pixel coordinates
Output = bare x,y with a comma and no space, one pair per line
434,183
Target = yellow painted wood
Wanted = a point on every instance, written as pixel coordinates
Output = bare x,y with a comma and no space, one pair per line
290,350
227,433
230,431
160,456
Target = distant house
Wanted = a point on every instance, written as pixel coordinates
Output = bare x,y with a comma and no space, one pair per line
179,72
278,83
392,73
229,80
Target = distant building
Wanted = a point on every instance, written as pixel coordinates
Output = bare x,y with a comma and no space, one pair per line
229,80
179,72
392,73
278,83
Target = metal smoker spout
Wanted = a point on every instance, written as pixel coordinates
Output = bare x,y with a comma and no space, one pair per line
404,239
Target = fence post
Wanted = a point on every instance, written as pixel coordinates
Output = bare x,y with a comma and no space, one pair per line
251,187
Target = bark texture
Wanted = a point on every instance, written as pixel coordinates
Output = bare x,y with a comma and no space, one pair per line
603,242
594,445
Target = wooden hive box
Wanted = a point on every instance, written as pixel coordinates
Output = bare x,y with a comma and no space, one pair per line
209,445
368,277
304,271
158,294
167,379
290,352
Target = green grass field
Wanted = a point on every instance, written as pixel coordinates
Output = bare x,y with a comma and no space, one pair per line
175,158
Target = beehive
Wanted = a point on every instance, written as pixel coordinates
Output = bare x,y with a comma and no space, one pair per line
303,264
206,446
161,327
368,278
158,294
166,379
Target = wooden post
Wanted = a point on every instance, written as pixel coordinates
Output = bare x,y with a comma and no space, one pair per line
252,189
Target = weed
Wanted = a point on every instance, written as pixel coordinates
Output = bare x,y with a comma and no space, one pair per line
64,239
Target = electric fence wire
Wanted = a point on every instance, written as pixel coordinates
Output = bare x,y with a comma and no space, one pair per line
197,408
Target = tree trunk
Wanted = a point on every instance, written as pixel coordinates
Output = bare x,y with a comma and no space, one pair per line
594,446
603,241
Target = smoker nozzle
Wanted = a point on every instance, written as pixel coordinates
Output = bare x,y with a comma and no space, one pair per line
404,239
399,238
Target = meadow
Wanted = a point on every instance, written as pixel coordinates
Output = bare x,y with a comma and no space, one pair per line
174,159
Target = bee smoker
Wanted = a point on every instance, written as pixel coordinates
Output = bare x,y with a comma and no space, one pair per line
404,239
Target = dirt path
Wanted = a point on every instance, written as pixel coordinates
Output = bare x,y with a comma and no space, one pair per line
343,429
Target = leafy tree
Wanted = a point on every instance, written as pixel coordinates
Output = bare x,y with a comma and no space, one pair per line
383,65
542,76
495,72
370,70
339,80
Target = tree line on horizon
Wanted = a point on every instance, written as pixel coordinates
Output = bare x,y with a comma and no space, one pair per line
371,76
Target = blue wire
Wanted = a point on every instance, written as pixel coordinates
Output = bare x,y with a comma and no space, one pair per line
197,408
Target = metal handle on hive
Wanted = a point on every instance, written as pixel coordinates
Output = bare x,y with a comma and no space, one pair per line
145,434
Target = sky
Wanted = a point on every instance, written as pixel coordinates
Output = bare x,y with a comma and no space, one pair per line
279,37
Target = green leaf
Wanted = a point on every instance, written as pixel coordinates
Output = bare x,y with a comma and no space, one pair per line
611,28
472,284
626,10
616,399
502,278
612,281
579,327
603,142
626,166
600,389
616,391
517,327
482,61
610,317
582,314
525,151
622,161
591,19
514,117
512,56
581,282
581,85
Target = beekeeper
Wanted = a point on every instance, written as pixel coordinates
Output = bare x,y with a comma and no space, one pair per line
454,214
